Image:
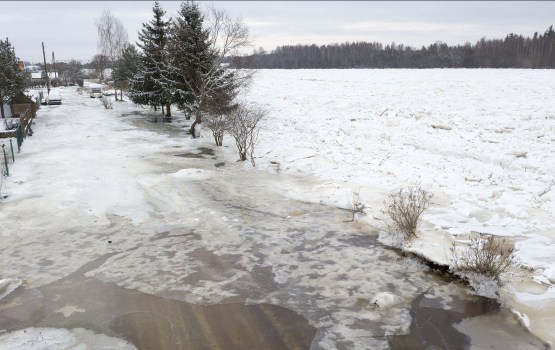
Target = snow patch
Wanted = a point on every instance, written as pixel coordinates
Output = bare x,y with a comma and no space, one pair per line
193,174
8,285
60,339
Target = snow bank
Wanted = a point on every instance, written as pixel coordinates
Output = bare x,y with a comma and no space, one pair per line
60,339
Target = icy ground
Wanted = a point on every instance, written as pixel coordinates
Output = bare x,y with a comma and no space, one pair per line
93,181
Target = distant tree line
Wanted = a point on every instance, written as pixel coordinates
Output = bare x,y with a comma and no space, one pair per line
514,51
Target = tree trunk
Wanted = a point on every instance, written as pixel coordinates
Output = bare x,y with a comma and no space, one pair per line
1,107
192,129
168,111
121,95
116,94
218,137
197,121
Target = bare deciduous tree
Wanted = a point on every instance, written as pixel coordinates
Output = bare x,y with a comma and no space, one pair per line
69,72
244,127
218,124
112,36
99,62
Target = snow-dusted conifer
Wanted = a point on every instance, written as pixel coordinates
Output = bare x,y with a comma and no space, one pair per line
12,79
150,85
201,84
128,66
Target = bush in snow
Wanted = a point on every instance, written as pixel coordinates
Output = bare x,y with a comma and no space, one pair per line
107,102
355,205
404,209
244,127
491,257
218,124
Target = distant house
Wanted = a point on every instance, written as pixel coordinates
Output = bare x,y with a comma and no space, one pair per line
32,68
38,80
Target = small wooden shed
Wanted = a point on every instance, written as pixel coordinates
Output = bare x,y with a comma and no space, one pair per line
21,103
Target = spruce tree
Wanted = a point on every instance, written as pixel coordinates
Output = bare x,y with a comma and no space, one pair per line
128,66
149,85
200,83
12,79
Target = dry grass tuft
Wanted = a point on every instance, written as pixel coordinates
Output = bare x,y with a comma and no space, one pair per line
404,209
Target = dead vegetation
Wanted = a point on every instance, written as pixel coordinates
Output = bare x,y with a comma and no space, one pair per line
355,205
404,209
490,256
106,102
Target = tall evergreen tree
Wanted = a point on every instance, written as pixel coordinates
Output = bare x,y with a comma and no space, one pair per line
150,86
200,83
12,79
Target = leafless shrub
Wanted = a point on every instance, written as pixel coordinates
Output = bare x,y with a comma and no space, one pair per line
491,257
107,102
218,124
244,127
404,209
355,205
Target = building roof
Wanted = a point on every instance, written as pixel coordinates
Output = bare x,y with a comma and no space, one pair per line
38,75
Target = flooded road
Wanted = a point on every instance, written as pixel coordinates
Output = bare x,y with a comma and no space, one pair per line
226,260
151,322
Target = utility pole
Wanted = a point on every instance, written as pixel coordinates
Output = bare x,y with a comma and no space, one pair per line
46,70
54,69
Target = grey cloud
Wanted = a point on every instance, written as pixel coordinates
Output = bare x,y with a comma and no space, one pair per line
69,29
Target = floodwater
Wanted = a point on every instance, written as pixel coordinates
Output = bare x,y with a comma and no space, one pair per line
151,322
239,265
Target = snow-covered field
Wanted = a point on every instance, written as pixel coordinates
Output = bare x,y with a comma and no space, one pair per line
480,140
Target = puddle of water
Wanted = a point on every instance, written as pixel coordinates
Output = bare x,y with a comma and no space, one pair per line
152,322
202,153
459,323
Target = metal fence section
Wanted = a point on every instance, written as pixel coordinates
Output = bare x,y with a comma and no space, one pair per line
6,167
7,152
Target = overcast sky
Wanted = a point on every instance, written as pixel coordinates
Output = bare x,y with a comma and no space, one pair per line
68,29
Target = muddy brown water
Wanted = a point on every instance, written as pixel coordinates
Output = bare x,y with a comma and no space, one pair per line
151,322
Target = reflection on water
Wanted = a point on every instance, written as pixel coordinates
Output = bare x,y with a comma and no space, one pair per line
151,322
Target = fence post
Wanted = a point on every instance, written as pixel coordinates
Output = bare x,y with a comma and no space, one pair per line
11,147
19,136
5,160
